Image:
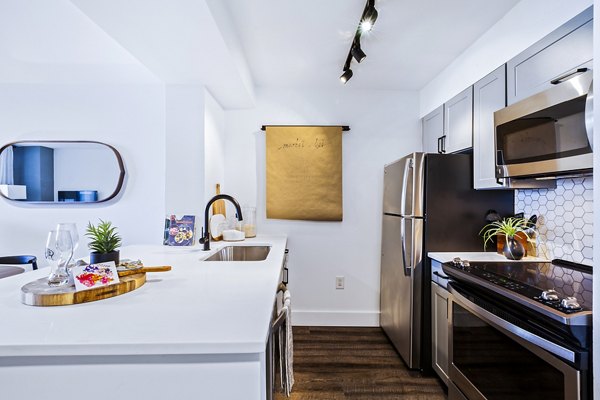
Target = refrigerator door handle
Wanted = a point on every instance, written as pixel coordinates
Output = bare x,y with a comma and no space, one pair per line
407,167
403,247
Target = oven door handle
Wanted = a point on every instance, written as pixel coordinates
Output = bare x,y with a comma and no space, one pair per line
531,338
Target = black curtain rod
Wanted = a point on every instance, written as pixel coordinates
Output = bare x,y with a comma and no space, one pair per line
345,128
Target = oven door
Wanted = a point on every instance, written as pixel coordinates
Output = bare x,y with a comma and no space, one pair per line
493,359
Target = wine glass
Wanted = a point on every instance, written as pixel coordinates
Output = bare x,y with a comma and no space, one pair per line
59,250
71,227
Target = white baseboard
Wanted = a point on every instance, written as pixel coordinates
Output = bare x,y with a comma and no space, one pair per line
335,318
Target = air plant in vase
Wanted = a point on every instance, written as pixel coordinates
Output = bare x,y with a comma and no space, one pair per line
509,227
104,242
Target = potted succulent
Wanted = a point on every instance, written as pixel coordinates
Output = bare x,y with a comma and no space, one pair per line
104,242
510,228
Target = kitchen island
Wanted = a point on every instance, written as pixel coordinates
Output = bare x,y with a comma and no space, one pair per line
198,331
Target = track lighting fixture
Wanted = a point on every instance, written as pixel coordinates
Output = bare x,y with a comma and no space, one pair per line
347,71
357,52
346,75
368,18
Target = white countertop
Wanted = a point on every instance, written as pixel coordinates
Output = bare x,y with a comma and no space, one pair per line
198,307
477,256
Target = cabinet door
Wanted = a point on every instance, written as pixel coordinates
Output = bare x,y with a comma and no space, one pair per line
559,54
489,95
433,129
458,121
439,331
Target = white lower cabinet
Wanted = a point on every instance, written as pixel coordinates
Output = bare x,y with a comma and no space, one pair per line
439,334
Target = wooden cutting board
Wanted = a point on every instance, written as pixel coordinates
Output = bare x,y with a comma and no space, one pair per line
38,293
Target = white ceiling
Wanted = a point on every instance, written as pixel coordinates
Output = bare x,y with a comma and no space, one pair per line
291,43
178,40
230,46
53,42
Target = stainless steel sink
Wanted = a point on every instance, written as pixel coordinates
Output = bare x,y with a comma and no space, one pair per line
241,253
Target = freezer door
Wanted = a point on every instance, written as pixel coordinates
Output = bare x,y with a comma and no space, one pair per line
397,186
400,291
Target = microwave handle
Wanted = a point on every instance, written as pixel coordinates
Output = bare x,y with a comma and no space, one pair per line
499,167
589,115
565,76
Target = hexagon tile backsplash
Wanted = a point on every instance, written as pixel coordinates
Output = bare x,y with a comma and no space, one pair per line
565,218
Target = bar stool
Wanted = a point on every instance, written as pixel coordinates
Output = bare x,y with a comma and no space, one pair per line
16,260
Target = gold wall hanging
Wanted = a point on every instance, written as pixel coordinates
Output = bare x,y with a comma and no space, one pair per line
304,172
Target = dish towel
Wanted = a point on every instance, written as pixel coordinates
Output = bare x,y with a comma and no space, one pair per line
286,347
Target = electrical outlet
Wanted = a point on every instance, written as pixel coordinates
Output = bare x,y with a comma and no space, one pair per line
339,282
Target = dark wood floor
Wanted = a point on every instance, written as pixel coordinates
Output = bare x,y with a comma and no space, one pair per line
354,364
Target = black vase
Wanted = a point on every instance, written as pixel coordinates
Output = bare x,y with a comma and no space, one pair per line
513,249
96,258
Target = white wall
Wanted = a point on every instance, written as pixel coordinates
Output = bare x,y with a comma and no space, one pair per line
185,149
525,24
129,117
214,146
384,127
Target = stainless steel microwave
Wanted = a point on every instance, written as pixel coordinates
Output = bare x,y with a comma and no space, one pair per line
548,134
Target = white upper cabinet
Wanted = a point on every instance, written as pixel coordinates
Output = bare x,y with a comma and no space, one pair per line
449,128
458,122
489,95
433,130
556,57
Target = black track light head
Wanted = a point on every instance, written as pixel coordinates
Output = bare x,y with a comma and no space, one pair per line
346,75
357,52
368,20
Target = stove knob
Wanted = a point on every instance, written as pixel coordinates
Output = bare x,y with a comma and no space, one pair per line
457,261
550,295
570,303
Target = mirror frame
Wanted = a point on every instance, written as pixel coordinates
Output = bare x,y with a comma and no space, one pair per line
112,195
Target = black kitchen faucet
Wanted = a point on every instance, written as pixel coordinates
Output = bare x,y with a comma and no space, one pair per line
205,239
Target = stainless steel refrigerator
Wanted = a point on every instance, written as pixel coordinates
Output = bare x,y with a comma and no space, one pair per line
429,204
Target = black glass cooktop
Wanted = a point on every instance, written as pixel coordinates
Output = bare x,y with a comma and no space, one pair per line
530,279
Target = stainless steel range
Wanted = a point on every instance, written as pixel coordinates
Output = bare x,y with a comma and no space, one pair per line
520,330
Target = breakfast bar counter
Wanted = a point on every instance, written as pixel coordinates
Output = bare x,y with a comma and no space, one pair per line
187,333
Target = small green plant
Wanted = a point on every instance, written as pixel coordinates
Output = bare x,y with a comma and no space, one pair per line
506,226
104,237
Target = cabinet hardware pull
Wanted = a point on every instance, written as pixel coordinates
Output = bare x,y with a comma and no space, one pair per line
286,271
436,273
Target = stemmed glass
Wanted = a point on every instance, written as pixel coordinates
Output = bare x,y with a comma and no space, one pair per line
71,227
59,250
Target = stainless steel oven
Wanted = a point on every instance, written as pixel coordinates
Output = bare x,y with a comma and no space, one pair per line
548,134
501,347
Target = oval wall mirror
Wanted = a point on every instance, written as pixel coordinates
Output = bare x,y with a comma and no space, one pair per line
60,171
